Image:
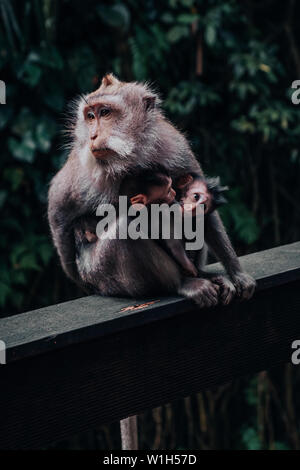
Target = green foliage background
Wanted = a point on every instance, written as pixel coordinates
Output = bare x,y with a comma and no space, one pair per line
224,70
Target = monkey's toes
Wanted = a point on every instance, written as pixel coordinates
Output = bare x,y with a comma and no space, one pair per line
245,285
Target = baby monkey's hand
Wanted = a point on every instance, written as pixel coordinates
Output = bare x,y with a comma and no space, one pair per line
90,236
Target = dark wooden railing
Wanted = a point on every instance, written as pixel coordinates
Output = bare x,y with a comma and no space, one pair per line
76,365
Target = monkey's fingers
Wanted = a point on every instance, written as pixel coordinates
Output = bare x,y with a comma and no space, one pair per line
208,295
203,292
227,289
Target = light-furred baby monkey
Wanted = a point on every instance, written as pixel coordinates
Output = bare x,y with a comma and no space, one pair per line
193,189
157,188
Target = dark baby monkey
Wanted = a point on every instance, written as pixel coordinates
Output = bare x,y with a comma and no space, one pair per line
156,187
151,187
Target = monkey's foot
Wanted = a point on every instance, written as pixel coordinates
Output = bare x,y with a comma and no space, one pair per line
201,291
244,285
227,289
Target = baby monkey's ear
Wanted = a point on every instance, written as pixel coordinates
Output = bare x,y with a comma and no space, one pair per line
184,181
139,199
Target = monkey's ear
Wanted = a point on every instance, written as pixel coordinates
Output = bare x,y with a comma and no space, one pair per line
149,102
109,79
184,181
139,199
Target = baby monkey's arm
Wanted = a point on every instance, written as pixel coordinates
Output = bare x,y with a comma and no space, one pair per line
177,251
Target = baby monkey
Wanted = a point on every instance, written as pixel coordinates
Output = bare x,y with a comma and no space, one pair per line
194,189
155,187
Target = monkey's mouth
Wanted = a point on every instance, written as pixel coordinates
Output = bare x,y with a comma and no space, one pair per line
102,152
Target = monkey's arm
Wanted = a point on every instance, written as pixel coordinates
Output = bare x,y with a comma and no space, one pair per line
61,216
63,239
219,243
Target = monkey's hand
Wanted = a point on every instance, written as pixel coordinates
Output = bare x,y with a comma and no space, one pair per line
227,289
201,291
90,236
244,285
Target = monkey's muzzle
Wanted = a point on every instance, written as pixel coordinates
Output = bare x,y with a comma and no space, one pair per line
102,153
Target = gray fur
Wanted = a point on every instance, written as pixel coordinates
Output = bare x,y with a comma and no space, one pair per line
116,267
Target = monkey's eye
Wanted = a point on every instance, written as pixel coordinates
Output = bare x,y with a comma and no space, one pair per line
90,115
196,197
104,112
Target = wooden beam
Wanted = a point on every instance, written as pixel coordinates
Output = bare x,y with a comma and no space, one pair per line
77,365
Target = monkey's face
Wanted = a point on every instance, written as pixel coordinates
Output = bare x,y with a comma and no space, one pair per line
162,194
195,194
100,119
115,124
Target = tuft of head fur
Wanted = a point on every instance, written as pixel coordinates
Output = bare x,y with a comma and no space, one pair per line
143,182
217,191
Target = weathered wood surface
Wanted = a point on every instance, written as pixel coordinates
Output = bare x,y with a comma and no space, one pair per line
90,317
80,364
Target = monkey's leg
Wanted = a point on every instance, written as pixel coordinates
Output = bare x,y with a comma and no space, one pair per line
227,289
218,241
129,433
176,249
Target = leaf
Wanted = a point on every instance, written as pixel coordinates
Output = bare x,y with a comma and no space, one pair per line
116,16
167,17
51,58
3,197
251,439
31,74
187,18
6,113
281,446
16,254
24,122
210,35
17,299
54,96
43,137
29,261
176,33
46,252
18,277
5,292
14,176
23,151
265,68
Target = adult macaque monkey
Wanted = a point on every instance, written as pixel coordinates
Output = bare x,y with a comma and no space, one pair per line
117,128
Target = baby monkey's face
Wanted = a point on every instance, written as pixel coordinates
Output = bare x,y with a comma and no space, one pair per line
162,194
196,193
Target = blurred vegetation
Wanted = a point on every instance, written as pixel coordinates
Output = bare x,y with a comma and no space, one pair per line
224,70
